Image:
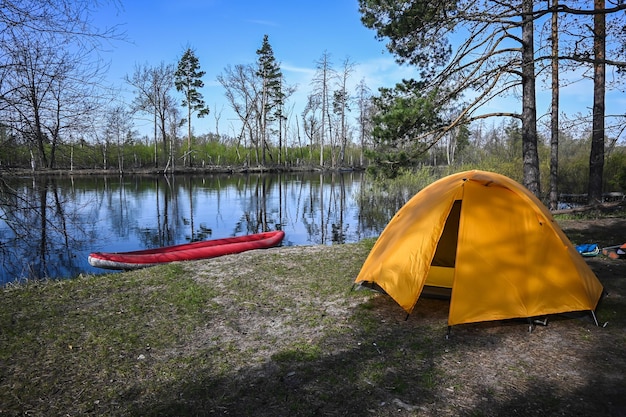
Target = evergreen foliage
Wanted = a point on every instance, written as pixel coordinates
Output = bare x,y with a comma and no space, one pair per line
271,76
402,114
188,80
272,97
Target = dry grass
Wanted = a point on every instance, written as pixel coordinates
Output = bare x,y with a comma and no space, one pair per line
280,333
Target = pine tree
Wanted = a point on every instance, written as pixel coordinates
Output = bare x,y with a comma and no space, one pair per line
188,80
272,96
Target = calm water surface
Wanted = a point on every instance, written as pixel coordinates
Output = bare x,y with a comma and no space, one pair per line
49,225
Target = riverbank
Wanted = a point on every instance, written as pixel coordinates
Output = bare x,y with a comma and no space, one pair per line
279,332
208,169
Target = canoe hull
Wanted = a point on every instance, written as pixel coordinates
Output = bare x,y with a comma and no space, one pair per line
185,252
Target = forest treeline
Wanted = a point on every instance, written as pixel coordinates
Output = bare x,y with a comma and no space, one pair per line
56,114
494,147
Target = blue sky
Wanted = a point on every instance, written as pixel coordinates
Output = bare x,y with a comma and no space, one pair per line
228,32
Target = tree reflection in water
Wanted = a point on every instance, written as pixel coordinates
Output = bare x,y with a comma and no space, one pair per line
49,225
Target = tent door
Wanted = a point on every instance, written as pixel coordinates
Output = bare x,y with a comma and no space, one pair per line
441,273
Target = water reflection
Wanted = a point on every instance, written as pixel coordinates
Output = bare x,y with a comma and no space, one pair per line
49,225
42,225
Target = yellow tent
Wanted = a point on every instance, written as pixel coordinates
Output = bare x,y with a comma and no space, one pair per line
490,241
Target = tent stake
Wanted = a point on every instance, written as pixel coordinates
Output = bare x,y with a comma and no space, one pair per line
593,315
448,332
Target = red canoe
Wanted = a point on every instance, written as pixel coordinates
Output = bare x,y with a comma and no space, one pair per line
185,252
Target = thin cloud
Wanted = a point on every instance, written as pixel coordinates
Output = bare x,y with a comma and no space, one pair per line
262,22
296,69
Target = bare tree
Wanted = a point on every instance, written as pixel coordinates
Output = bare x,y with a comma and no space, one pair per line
51,69
71,20
117,128
310,122
364,104
321,83
152,95
341,105
173,128
48,93
34,68
241,83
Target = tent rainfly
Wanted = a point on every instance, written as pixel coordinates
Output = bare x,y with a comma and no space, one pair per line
490,243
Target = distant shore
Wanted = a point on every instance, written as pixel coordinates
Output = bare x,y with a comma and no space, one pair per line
212,169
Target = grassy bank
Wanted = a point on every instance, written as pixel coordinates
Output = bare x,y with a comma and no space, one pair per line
280,333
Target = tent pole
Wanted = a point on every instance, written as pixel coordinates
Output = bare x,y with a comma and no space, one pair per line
595,319
448,332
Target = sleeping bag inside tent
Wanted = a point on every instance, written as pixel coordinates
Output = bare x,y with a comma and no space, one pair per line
487,240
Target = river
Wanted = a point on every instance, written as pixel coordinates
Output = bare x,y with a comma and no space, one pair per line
50,224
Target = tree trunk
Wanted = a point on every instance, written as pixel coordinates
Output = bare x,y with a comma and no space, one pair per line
554,122
529,107
324,86
596,158
187,161
156,141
